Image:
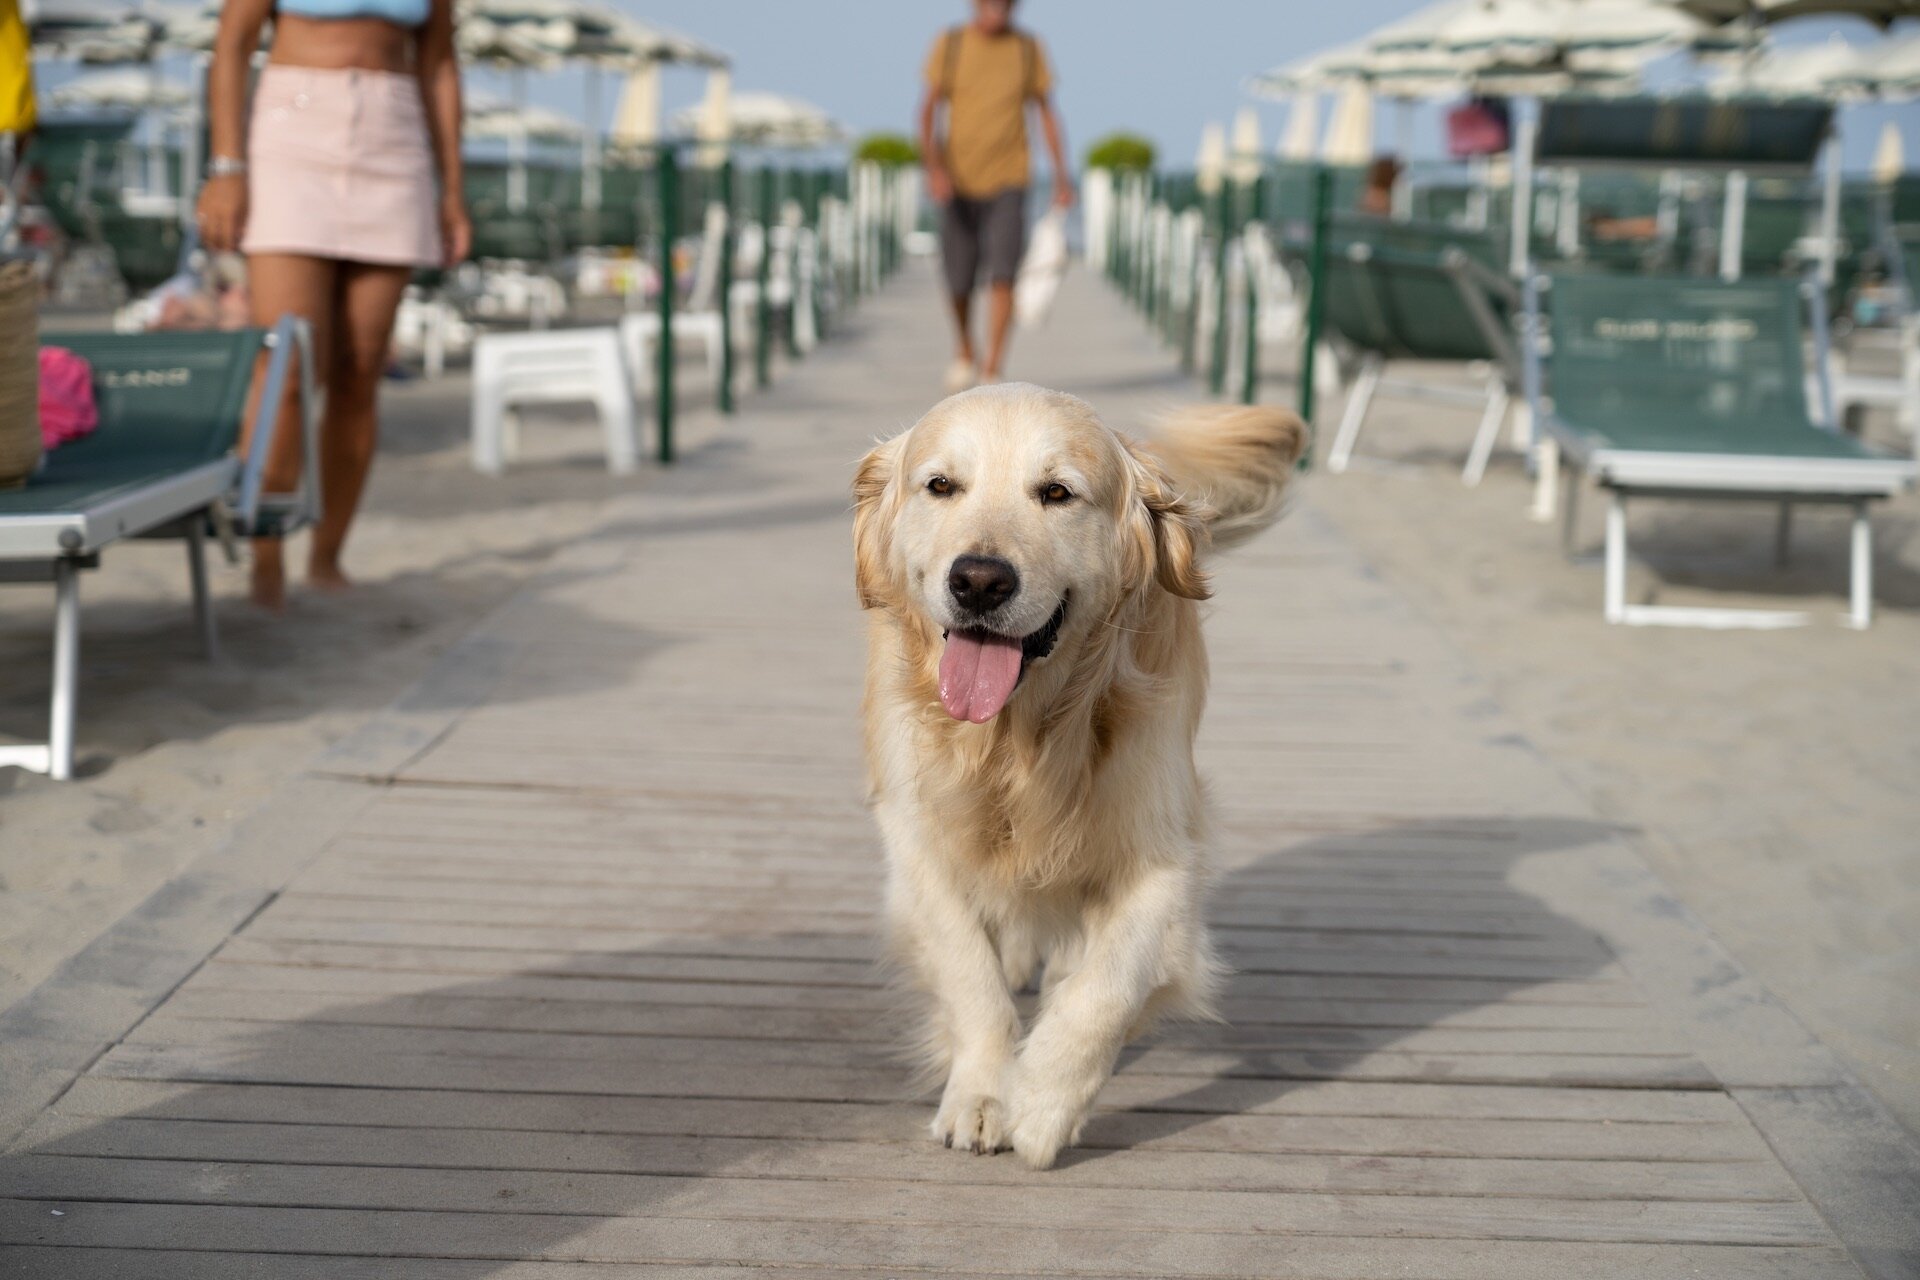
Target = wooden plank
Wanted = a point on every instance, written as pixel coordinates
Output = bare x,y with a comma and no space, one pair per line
1329,1098
1056,1250
575,965
1605,1141
455,1010
228,973
895,1197
225,1039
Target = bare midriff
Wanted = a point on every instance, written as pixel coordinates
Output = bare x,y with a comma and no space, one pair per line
343,44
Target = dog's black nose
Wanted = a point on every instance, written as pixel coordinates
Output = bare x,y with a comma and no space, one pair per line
981,584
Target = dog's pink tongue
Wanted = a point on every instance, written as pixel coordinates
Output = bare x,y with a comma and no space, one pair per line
977,674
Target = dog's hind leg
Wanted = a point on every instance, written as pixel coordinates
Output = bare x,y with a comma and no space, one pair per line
1085,1018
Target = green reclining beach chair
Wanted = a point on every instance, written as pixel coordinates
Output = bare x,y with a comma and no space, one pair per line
1387,304
1696,388
162,463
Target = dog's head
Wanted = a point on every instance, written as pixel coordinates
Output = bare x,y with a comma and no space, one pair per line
1012,520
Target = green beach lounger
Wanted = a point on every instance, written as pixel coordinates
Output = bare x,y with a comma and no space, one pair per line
1696,388
1385,304
162,463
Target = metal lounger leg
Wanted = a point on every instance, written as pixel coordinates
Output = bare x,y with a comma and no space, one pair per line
1356,413
1546,472
1570,512
202,596
1616,597
1860,612
1496,412
66,669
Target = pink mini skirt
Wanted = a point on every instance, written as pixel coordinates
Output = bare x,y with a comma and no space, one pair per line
340,165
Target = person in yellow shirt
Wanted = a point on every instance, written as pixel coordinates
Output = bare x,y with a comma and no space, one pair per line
985,73
16,76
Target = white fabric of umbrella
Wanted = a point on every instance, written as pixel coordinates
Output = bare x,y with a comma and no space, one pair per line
1889,68
120,89
490,117
766,120
1350,132
1303,126
91,31
1246,145
1814,70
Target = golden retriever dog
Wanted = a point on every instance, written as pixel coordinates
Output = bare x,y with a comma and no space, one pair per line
1035,679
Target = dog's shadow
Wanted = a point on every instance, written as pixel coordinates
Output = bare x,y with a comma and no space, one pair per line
1402,955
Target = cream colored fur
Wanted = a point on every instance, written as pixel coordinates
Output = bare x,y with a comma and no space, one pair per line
1067,834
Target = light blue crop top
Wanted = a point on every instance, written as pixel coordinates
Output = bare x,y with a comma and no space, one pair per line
404,13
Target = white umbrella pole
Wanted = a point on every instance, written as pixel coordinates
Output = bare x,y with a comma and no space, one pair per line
1733,224
1518,252
517,144
1567,214
590,144
1830,206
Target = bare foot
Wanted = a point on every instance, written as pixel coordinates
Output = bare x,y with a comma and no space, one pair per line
328,577
269,590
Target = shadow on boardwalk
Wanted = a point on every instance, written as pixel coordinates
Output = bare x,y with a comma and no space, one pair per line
730,1095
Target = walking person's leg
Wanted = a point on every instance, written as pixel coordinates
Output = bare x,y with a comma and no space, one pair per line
365,305
960,263
281,284
1003,239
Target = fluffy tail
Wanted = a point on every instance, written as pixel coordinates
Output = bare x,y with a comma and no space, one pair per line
1233,460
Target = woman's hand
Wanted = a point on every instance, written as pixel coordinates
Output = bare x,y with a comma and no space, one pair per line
222,212
456,230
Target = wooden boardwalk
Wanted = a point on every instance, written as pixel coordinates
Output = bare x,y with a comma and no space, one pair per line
562,966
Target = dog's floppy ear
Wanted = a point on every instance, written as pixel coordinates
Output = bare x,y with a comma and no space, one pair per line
872,525
1166,531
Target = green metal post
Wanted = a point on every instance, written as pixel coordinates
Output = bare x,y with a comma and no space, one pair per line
1250,366
726,287
763,304
1316,297
669,171
790,325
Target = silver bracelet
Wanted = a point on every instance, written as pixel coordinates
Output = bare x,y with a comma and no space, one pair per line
226,167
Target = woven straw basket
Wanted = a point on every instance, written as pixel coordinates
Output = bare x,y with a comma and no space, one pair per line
19,373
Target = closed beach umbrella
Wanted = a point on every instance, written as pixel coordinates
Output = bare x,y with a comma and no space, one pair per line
1303,127
636,121
1246,145
1210,165
1350,132
1890,155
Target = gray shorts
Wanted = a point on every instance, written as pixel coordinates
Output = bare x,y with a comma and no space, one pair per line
983,235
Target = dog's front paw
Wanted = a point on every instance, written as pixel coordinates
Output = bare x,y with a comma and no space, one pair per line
973,1122
1042,1127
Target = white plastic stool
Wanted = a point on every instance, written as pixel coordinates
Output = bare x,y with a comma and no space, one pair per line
640,338
555,366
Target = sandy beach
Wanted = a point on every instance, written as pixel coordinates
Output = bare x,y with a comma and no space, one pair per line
1767,775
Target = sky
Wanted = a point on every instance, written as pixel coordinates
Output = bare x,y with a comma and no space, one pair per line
1163,69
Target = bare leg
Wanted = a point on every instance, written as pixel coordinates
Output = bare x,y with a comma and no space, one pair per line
286,284
999,325
963,326
363,335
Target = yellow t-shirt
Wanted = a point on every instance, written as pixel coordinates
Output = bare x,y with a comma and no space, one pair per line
16,71
987,82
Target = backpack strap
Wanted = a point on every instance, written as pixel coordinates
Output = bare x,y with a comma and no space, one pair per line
950,59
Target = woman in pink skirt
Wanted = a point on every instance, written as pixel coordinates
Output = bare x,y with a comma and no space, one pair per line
341,180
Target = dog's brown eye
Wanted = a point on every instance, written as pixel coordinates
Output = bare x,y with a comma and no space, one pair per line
1056,492
940,485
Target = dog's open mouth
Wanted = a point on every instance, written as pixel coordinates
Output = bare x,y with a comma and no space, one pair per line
980,669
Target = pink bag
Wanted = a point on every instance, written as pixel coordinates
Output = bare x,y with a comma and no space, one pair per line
67,408
1477,128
